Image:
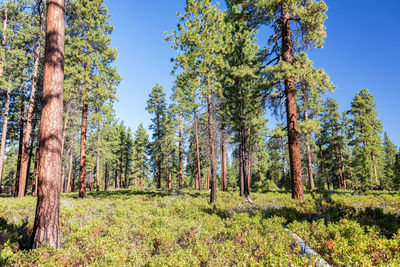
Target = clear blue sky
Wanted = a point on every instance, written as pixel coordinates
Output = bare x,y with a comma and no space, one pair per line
361,51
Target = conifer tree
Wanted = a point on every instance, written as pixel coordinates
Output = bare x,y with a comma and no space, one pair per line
297,25
367,143
46,226
141,146
390,153
156,105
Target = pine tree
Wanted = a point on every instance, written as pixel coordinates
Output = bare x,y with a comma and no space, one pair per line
141,146
333,142
297,25
156,105
366,130
390,153
46,226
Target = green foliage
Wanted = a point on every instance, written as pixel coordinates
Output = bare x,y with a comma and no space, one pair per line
158,228
366,130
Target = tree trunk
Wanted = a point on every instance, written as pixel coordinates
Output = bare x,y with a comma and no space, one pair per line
169,172
241,167
46,226
375,169
308,150
284,163
322,164
180,152
291,110
71,157
36,170
213,194
30,155
82,166
158,152
196,134
25,147
224,179
98,171
4,136
106,176
20,182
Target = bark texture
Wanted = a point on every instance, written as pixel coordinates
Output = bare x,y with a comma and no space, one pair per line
291,109
46,226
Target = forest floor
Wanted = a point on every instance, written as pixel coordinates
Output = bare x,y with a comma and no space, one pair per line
162,228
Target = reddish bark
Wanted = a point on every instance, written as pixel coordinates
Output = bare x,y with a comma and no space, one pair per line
46,226
25,147
291,110
82,166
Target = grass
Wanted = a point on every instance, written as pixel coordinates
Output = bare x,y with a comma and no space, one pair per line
159,228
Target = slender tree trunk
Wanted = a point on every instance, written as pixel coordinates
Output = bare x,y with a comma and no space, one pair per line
98,171
158,152
375,169
115,178
321,155
224,179
20,183
6,110
71,157
213,183
36,170
30,155
196,134
4,136
308,152
291,110
169,172
284,163
180,152
25,147
106,177
82,166
241,167
7,105
46,226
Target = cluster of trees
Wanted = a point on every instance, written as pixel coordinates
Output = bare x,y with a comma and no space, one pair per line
97,150
224,81
214,131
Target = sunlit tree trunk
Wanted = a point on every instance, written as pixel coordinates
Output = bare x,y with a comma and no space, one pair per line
46,226
291,109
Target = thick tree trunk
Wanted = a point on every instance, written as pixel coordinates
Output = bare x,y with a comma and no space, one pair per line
213,182
180,183
46,226
4,136
20,182
196,134
71,157
291,110
25,147
82,166
224,178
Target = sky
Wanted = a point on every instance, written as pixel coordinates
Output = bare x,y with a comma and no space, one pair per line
361,51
